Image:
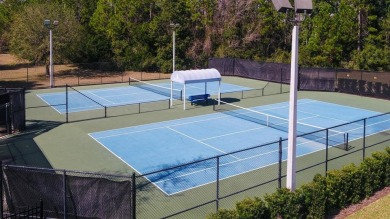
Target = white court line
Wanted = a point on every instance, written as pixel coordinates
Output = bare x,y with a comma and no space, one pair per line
230,176
127,133
260,167
139,172
155,183
52,106
175,125
134,93
163,126
232,133
220,116
184,175
200,141
308,102
89,92
225,164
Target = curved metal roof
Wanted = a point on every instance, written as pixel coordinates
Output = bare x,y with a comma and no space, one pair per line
196,76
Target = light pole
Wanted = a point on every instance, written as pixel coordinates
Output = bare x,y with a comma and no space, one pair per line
173,26
301,7
50,26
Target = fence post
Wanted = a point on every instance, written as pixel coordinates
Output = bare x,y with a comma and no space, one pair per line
133,197
41,209
234,67
217,182
326,152
281,80
280,164
27,74
7,118
364,137
64,188
66,103
1,189
336,82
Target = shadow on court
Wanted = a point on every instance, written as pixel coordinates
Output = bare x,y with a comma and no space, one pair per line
210,102
21,149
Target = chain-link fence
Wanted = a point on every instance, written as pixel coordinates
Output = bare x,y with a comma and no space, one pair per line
67,194
196,189
31,76
375,84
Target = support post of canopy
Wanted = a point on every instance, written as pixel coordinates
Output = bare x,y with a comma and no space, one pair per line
219,92
171,93
184,96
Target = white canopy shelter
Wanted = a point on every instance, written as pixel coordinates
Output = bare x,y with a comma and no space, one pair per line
195,76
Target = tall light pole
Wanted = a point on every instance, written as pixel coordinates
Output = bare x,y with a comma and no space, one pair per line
50,26
173,26
301,7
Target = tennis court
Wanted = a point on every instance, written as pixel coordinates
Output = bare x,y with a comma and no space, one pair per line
137,92
156,146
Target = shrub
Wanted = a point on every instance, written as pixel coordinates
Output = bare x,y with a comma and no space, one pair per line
284,204
329,194
313,196
343,187
252,208
375,171
224,214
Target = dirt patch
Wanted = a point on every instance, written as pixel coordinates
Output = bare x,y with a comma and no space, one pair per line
19,73
8,59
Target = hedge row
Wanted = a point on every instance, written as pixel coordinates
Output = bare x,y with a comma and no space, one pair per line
325,195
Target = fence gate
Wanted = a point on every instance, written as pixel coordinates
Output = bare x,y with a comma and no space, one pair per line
12,110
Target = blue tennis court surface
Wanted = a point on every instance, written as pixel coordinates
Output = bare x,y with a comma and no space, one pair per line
157,146
86,99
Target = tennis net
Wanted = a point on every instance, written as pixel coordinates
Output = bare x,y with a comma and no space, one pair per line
334,138
165,91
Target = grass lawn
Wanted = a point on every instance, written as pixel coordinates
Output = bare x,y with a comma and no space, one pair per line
378,209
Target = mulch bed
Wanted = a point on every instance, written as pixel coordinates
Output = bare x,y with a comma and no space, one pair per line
356,207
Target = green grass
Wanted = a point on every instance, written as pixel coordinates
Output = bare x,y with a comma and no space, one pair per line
378,209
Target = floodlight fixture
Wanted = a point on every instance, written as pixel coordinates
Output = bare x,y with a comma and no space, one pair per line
174,25
55,23
282,5
303,6
46,23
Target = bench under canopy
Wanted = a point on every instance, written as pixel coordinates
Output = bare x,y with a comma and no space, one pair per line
195,76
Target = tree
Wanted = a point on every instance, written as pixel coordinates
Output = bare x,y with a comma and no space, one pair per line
332,35
29,38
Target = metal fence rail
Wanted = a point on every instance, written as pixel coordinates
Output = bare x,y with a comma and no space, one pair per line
365,83
66,194
71,194
28,212
31,76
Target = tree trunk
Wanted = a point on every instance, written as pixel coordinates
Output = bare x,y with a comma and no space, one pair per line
47,69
